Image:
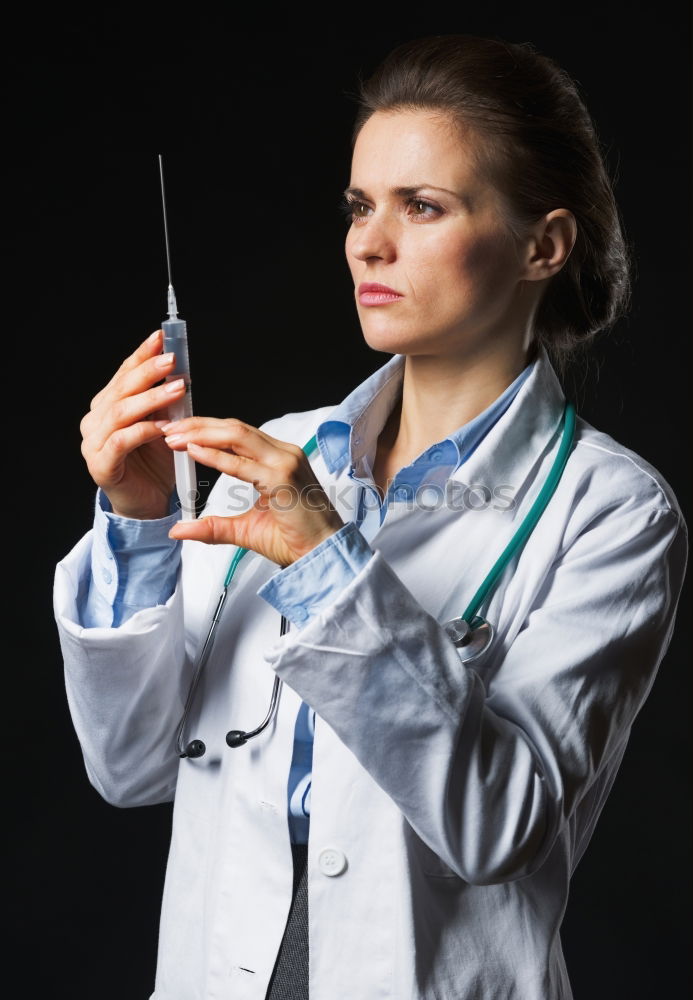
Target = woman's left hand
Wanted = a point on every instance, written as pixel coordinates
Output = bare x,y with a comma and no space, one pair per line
293,513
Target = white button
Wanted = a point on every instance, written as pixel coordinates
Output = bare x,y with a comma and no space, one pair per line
106,576
332,861
429,497
436,454
300,613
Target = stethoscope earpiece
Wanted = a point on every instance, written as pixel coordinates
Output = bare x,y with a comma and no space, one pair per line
195,748
236,738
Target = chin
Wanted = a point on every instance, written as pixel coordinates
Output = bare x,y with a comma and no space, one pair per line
393,341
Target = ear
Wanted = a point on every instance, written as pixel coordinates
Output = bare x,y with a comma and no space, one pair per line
549,244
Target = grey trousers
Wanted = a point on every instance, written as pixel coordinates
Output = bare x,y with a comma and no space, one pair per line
289,980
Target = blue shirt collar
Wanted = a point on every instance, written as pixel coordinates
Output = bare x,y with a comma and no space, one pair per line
347,435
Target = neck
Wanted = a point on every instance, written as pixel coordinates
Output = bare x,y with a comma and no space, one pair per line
440,394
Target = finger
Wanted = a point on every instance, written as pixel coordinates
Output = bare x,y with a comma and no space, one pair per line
133,380
243,438
147,349
262,478
100,425
229,434
120,444
213,530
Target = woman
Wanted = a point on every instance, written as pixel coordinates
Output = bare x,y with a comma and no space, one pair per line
431,808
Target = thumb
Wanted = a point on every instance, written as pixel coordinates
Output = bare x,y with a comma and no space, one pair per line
213,530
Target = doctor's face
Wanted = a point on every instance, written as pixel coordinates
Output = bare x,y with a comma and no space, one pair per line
425,223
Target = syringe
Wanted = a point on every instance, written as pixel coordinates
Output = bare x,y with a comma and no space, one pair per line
176,340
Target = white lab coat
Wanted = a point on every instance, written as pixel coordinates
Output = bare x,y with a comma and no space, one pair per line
458,798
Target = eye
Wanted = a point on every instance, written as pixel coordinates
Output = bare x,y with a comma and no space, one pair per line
352,208
424,205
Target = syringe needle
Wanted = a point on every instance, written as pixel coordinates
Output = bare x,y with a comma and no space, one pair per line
163,202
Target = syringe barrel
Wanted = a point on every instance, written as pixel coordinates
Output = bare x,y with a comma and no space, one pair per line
176,340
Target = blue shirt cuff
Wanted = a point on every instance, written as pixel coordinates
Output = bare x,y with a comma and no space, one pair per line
300,591
134,564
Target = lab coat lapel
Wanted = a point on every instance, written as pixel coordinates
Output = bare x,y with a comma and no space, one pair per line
514,447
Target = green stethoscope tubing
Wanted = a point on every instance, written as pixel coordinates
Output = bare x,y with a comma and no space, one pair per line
530,519
470,621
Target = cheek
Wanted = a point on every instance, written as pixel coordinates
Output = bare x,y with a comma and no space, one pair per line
487,259
463,266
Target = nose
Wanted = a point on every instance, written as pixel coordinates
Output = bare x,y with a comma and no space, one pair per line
375,237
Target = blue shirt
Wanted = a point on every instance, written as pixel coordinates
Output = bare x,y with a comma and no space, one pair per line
134,563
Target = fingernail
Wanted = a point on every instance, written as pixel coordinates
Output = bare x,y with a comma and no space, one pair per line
167,425
164,360
175,385
160,424
193,447
172,438
154,336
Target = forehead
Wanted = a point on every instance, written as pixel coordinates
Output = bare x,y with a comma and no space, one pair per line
405,147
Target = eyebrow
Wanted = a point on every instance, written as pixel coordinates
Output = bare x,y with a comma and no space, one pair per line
407,191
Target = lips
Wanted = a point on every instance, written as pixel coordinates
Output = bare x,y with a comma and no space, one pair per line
375,286
373,293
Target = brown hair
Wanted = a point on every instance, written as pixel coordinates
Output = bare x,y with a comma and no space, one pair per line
541,151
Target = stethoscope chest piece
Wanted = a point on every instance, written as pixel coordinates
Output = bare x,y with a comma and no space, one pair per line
470,639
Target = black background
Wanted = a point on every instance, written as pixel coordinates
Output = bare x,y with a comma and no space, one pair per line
255,131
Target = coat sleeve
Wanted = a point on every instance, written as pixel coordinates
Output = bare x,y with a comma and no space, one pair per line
125,688
488,777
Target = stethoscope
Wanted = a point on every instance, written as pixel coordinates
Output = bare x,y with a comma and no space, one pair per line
470,633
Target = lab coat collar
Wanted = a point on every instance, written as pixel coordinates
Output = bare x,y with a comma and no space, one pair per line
520,439
512,445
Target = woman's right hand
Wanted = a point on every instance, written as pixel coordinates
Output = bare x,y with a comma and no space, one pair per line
122,441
